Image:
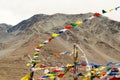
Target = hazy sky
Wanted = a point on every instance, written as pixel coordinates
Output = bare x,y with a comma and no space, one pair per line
14,11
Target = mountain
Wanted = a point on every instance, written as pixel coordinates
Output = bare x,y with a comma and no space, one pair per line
4,27
99,38
27,23
4,35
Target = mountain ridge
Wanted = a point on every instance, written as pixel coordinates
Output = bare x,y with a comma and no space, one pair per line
99,38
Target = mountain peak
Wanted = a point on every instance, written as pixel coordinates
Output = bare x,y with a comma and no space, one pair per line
27,23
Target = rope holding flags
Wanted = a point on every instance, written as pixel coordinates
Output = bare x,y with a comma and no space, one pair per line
68,27
53,75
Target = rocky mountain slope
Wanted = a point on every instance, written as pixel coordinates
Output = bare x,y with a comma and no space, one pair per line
99,38
3,30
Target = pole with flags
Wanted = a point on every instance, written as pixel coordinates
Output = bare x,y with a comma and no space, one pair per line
75,61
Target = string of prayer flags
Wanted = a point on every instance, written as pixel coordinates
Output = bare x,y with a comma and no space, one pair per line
110,10
96,72
68,27
98,69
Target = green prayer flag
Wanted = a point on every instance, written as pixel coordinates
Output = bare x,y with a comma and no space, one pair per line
75,63
52,37
73,24
103,11
51,73
97,74
108,68
36,58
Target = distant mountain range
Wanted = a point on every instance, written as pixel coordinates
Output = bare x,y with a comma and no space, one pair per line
99,38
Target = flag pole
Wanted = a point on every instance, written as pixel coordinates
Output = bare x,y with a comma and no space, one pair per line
75,61
32,72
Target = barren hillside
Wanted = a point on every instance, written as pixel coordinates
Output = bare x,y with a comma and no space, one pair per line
99,38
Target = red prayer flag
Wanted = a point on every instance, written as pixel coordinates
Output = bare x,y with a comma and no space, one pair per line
84,64
102,73
56,71
60,75
49,39
97,14
114,68
68,27
56,54
38,47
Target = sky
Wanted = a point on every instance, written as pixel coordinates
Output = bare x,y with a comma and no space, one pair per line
14,11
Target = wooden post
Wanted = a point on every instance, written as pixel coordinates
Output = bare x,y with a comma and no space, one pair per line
75,57
32,72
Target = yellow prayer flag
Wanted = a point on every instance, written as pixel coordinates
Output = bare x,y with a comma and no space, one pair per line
26,77
79,22
110,10
49,74
68,65
86,78
96,70
101,68
55,35
52,77
81,77
28,64
36,53
41,45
